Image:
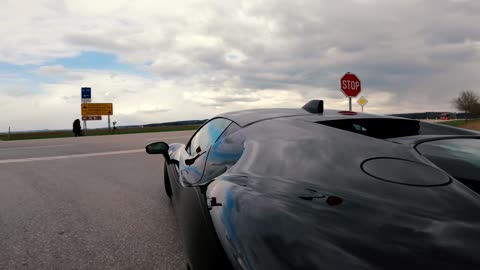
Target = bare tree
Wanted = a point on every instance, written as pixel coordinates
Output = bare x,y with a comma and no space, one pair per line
467,102
476,110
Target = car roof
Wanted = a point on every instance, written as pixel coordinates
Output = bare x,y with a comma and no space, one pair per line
248,117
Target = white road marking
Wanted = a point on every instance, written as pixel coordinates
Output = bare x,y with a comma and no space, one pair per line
39,146
18,160
5,161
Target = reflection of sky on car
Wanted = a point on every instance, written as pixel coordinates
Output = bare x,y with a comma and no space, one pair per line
223,155
197,173
203,140
220,156
227,149
465,149
218,163
214,131
210,133
228,221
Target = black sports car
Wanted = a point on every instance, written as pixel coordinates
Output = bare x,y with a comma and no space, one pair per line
314,189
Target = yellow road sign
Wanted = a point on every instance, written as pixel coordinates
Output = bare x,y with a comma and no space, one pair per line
362,101
97,109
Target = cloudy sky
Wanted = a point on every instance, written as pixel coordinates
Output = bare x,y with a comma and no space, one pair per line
161,61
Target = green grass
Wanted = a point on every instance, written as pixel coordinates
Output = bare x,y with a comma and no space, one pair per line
453,123
473,124
93,132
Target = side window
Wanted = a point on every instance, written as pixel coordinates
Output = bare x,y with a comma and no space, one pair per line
207,135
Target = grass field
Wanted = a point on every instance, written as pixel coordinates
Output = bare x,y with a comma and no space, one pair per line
469,124
93,132
453,123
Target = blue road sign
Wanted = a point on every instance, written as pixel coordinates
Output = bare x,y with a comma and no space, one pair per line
86,93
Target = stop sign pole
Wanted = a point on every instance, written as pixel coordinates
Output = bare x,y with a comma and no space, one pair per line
351,86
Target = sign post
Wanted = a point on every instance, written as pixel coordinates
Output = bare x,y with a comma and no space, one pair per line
351,87
362,102
86,98
95,110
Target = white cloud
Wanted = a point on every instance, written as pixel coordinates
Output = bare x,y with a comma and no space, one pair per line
207,56
234,99
58,72
13,90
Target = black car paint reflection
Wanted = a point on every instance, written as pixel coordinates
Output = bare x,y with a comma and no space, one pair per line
289,192
223,155
262,215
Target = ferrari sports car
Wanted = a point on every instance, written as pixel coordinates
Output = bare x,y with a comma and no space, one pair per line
310,188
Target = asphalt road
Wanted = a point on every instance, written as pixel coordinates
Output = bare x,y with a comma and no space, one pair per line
87,203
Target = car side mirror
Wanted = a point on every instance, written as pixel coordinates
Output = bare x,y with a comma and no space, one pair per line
158,148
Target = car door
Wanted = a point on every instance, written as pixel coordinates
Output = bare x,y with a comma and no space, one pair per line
190,202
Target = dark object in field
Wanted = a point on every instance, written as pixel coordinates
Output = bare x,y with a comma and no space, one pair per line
77,128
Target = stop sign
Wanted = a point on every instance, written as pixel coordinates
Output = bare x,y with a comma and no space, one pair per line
350,85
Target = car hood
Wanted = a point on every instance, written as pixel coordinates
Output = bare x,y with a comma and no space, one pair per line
308,203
